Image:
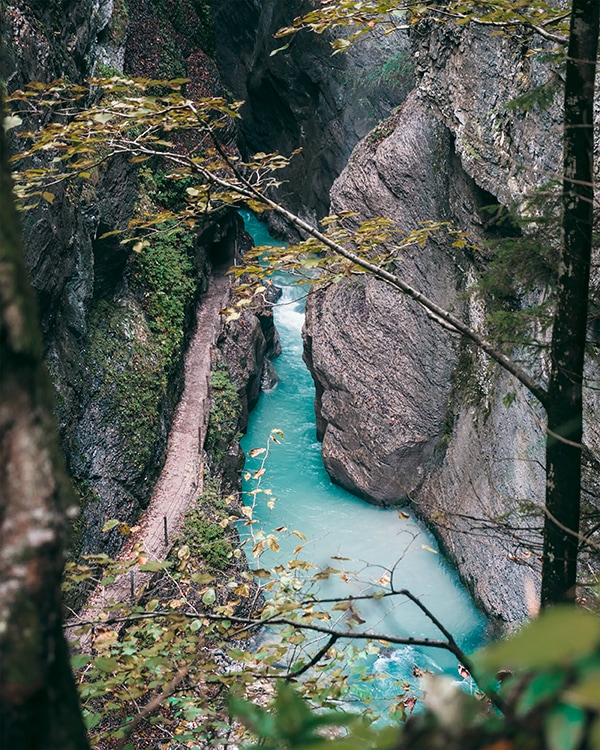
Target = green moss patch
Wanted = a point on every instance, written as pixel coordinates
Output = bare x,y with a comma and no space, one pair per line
206,530
164,278
129,366
225,414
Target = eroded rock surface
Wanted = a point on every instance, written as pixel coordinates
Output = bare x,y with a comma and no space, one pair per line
382,366
303,97
405,410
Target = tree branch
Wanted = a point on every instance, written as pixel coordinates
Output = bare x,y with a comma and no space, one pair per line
151,706
245,190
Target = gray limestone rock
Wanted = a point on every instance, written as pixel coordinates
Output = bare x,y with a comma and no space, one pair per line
405,410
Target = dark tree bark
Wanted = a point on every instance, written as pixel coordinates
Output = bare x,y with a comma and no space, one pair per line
564,400
39,707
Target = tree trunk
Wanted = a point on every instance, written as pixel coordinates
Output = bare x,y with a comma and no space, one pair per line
39,708
564,400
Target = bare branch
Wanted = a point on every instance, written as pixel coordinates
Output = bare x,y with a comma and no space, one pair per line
151,706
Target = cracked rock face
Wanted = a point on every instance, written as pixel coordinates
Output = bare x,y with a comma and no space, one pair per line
378,439
405,411
382,367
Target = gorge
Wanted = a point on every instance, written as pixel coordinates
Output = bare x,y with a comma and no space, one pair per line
426,126
366,543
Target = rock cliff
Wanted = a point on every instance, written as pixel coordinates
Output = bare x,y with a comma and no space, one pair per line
114,349
408,413
303,97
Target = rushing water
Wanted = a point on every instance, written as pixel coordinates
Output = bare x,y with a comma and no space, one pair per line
377,542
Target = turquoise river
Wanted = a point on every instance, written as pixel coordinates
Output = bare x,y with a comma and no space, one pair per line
379,544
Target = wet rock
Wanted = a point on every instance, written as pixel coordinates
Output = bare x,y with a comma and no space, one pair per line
270,378
272,294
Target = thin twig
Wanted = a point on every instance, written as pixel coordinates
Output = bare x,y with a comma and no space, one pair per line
150,707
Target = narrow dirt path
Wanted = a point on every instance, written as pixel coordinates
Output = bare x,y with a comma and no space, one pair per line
181,478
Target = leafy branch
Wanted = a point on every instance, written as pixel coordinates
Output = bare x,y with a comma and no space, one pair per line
361,17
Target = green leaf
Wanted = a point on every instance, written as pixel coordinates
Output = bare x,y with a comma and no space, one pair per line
202,578
110,524
253,717
558,637
154,566
541,688
209,597
80,660
92,720
586,694
279,49
564,727
105,664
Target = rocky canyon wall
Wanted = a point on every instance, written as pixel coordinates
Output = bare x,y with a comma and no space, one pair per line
114,348
407,412
303,97
115,359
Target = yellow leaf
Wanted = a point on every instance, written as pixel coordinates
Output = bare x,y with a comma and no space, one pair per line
256,452
258,548
48,197
273,544
261,573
